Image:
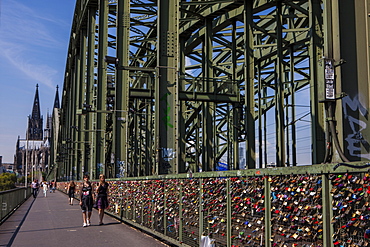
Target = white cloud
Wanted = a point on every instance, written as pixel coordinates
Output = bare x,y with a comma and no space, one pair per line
15,55
23,34
20,23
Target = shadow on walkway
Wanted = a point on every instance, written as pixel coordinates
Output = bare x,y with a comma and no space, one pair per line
51,221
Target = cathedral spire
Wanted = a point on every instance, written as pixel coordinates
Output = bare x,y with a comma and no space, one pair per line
56,101
35,121
36,113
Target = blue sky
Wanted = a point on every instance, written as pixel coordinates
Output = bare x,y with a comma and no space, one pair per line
34,38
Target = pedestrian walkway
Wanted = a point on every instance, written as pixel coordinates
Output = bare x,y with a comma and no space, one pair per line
51,221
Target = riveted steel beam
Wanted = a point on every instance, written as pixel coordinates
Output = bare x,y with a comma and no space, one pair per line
208,85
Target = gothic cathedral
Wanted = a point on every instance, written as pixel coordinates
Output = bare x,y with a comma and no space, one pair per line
32,154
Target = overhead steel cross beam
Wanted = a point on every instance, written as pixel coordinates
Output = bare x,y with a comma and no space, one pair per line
231,67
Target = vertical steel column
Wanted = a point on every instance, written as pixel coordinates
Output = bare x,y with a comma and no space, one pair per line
293,120
69,120
81,97
317,81
122,85
75,117
367,28
72,118
90,81
279,90
61,151
332,49
236,109
351,42
102,88
229,138
250,145
182,128
264,92
147,161
260,134
287,125
166,93
208,135
56,142
198,150
135,149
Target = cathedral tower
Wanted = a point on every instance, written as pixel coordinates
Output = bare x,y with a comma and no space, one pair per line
49,118
56,100
35,121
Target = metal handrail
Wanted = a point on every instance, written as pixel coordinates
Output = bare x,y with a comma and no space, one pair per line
10,200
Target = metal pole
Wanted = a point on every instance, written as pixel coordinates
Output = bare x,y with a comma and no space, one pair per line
122,85
32,164
208,109
260,134
279,90
26,169
90,81
81,118
166,92
101,87
316,50
249,121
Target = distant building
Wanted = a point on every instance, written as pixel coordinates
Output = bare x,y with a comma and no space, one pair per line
2,169
8,167
5,167
33,152
242,160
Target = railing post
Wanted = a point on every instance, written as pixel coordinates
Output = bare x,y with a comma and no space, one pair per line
228,213
267,202
180,211
201,214
327,212
165,191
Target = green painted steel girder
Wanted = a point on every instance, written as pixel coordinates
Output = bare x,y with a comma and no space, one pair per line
166,90
205,85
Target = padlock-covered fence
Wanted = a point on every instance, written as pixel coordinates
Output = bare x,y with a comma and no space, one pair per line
320,205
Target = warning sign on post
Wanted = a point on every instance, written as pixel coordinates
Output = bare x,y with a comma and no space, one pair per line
329,80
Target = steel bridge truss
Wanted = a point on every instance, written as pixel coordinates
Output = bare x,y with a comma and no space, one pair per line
162,87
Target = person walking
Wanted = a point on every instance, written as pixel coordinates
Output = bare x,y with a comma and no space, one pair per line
35,187
53,186
45,187
102,197
86,200
71,192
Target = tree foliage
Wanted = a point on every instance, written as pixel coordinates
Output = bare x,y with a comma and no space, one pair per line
22,179
7,181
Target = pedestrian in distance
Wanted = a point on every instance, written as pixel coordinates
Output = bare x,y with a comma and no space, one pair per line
45,187
86,200
35,187
53,186
50,186
71,192
102,197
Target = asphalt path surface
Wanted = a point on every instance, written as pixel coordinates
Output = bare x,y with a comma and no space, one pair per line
51,221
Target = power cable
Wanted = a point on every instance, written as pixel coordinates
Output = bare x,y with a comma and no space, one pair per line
334,135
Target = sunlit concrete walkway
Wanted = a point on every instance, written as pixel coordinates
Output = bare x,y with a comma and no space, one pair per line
51,221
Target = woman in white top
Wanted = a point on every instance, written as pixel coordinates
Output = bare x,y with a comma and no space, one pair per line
45,187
